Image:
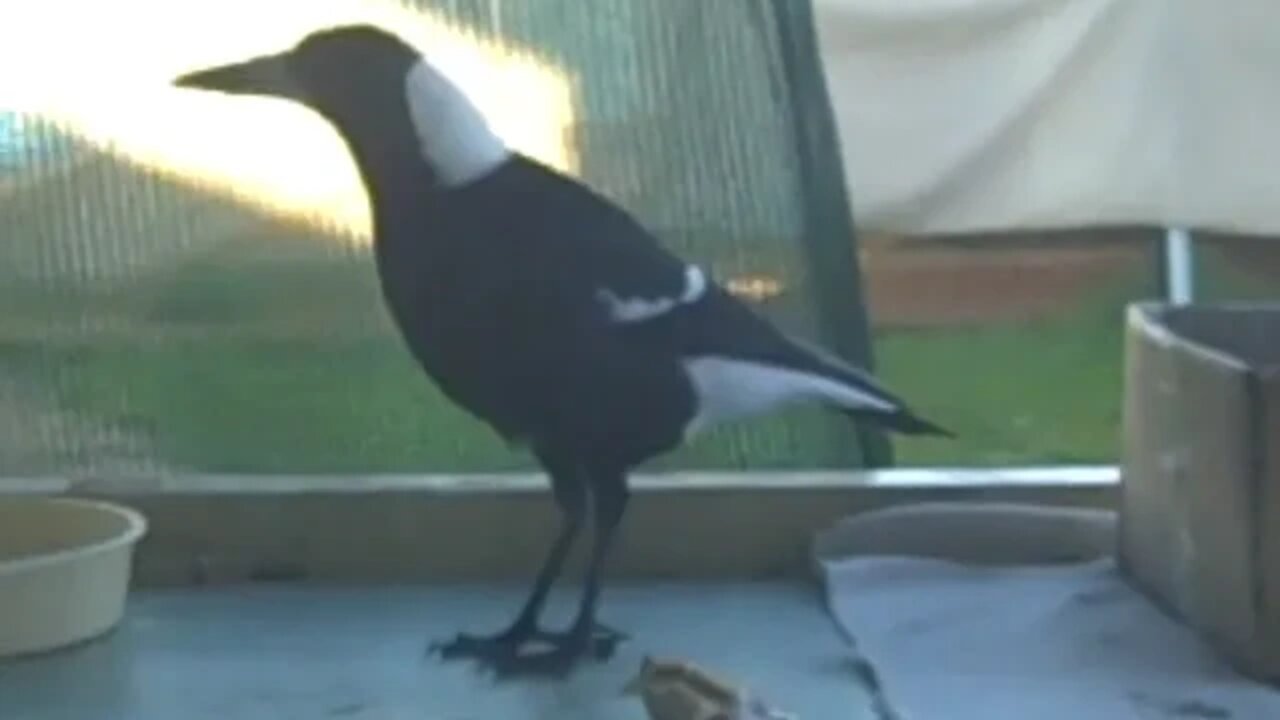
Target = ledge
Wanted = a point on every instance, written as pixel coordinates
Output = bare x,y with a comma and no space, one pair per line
450,528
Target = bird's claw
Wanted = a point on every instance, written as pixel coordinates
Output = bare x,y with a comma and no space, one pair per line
502,652
474,646
553,663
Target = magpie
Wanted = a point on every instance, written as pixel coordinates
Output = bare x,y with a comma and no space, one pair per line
541,308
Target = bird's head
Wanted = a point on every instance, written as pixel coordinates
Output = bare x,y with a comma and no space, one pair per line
329,70
376,89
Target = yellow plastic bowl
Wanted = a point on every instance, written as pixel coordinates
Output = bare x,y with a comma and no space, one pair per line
65,570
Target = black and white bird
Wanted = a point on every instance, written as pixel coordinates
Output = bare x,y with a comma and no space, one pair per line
540,307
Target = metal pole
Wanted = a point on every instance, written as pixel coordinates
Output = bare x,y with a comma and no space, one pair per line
830,238
1179,267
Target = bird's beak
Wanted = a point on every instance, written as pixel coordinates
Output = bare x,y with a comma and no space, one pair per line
267,75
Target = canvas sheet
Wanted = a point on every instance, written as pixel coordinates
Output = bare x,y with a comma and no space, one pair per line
971,115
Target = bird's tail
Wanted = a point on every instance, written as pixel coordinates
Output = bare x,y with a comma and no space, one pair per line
886,409
903,421
861,396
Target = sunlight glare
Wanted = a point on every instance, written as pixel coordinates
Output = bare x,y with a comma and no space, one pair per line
104,71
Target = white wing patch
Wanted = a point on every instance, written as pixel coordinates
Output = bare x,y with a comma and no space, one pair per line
728,390
639,309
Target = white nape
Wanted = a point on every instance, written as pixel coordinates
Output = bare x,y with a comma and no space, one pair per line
454,136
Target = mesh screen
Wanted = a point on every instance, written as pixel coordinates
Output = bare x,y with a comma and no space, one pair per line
166,319
1014,339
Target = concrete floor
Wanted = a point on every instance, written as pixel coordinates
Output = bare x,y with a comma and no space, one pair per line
276,653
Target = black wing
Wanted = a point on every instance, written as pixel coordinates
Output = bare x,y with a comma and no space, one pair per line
625,284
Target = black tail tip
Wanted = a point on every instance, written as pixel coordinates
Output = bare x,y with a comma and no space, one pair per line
906,422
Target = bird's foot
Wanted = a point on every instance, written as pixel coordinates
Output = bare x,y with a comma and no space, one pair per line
477,647
565,650
503,652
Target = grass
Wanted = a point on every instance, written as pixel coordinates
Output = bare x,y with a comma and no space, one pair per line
1027,393
262,354
346,406
266,350
253,351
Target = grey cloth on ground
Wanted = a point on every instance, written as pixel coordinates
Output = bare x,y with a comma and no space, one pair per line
1010,612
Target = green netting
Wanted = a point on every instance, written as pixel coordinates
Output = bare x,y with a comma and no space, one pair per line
154,324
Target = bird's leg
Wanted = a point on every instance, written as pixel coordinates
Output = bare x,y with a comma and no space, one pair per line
571,496
584,637
524,627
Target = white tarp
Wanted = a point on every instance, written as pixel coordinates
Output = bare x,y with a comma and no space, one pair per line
964,115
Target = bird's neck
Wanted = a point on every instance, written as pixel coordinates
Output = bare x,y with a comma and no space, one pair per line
433,140
454,137
390,168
